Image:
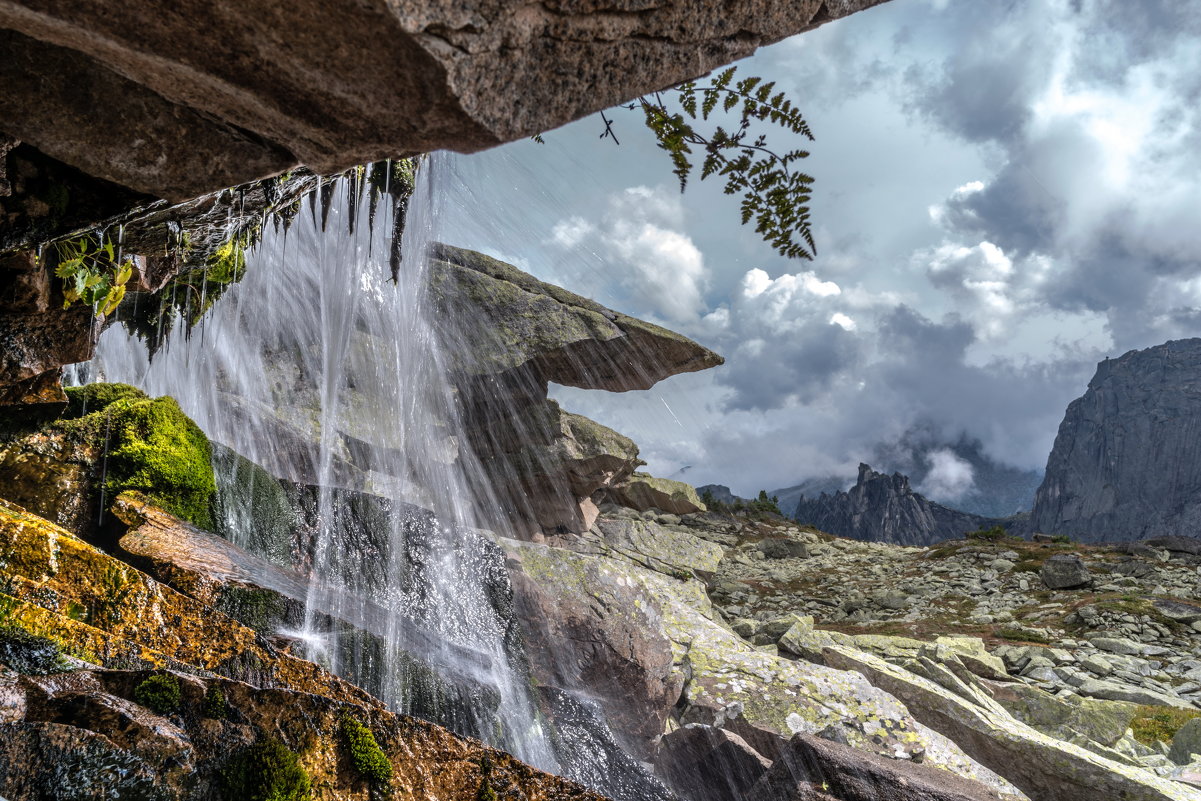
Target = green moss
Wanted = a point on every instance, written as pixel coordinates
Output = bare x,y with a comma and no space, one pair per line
159,694
260,609
1153,724
97,397
152,447
266,771
215,706
368,758
486,792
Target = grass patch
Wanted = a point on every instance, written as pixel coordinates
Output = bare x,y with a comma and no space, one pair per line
1153,724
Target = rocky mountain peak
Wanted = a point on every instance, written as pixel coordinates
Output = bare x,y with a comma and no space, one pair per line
1125,464
884,508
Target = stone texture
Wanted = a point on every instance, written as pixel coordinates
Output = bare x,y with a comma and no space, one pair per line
1126,462
1043,767
730,684
883,508
814,769
82,735
183,103
702,763
605,641
1064,571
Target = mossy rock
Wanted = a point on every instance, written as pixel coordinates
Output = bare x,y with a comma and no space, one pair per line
152,447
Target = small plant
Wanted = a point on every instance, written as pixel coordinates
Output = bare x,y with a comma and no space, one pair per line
159,694
774,194
1061,538
485,792
266,771
215,706
994,534
91,272
368,758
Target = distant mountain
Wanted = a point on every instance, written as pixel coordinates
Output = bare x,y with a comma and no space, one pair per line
720,492
1126,463
883,508
788,497
957,474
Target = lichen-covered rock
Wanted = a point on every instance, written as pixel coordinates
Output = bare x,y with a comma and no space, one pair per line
643,491
512,322
1067,717
109,613
1063,571
674,550
730,684
1043,767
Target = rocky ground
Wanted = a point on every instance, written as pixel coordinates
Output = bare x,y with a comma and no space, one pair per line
1044,670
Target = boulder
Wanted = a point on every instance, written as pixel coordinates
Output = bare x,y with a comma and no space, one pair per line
702,763
1065,717
783,548
672,550
815,769
727,683
1064,571
1186,743
576,640
642,492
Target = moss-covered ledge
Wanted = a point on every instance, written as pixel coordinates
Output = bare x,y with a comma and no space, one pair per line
110,438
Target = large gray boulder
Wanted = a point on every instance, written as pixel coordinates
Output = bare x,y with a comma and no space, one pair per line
1064,571
179,101
1126,463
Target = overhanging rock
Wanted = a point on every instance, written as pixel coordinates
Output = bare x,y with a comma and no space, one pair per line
182,99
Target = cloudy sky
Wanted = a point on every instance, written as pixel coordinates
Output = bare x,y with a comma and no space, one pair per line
1007,192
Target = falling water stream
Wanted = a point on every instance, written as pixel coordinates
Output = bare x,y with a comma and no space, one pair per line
320,369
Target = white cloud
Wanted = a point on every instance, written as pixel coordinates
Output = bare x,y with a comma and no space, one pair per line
950,477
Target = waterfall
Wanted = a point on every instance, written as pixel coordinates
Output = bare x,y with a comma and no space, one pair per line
319,369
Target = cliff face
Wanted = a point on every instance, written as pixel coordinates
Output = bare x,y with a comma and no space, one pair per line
1127,460
882,508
